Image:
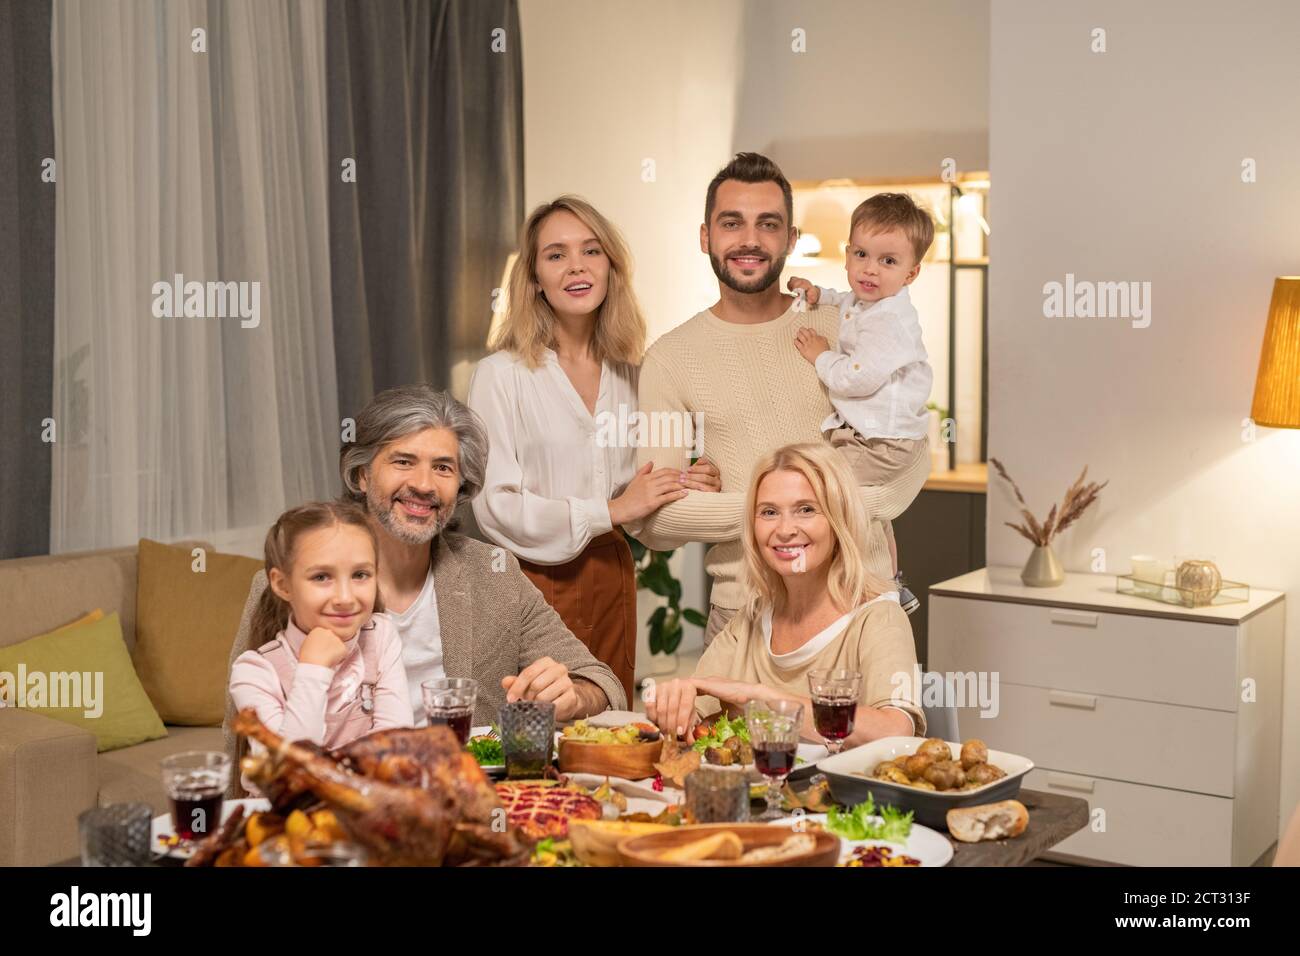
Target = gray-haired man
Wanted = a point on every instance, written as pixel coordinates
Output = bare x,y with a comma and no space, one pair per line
463,608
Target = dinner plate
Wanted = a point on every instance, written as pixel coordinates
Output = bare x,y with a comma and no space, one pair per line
161,829
929,846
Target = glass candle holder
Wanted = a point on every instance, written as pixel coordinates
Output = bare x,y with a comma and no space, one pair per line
527,738
717,795
115,835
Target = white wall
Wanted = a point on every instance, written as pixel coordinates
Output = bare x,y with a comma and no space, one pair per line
1126,165
884,89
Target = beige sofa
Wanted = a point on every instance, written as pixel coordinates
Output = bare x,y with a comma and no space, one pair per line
49,770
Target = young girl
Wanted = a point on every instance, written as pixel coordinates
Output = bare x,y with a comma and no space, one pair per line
326,667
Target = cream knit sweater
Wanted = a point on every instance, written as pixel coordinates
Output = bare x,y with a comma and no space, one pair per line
755,393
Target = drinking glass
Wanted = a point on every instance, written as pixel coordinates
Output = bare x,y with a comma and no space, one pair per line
196,782
835,702
527,738
450,701
718,795
115,835
774,737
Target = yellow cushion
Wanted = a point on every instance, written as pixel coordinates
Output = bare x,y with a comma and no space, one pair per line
186,619
85,671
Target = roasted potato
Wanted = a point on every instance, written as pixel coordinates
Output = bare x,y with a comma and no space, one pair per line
946,775
917,764
936,748
890,772
973,752
984,773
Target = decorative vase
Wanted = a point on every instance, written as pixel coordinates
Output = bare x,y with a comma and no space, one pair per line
1198,582
1042,570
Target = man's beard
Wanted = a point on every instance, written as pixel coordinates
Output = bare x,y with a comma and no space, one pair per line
747,286
391,523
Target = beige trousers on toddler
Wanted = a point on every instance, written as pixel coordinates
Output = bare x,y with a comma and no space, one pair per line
875,461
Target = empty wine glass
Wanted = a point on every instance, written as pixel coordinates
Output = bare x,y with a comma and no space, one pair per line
835,703
774,738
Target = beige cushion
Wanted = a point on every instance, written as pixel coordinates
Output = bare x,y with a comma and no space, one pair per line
49,591
186,622
134,774
49,674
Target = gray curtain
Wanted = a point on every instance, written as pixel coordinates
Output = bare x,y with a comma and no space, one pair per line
433,118
26,276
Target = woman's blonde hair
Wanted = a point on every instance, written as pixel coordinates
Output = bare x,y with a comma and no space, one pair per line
529,322
850,582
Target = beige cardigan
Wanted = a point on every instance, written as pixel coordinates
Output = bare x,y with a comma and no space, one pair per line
877,642
492,624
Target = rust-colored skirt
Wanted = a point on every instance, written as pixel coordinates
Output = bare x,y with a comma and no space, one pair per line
595,596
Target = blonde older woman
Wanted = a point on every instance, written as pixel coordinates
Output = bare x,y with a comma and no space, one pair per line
557,487
811,603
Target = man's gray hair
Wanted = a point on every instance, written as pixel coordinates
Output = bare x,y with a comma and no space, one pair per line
397,412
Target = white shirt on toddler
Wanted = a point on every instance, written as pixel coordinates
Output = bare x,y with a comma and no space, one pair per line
879,376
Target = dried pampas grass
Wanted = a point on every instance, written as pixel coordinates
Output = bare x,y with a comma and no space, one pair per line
1077,499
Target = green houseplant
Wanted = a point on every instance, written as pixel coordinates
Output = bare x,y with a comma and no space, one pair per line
653,574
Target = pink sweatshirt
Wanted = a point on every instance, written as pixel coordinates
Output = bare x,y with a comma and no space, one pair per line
327,706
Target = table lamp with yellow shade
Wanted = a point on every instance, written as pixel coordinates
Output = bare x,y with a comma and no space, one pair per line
1277,384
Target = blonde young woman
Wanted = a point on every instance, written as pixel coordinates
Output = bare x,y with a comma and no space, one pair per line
810,603
557,487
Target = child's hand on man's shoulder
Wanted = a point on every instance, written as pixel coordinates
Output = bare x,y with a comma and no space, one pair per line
810,344
811,293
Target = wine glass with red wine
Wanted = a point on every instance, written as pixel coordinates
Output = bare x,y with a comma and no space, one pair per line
450,701
774,737
835,702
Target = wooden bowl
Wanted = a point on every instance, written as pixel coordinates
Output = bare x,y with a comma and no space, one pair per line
645,850
633,761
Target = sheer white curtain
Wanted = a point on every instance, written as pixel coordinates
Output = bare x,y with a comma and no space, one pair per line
210,165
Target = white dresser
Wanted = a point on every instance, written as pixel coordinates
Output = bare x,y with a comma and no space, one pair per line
1135,705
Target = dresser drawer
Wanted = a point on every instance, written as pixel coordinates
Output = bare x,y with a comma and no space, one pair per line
1144,826
1122,655
1163,745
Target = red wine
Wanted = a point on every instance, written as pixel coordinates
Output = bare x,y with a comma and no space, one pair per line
774,759
833,718
196,811
457,720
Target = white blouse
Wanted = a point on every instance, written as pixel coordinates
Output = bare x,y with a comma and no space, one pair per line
552,466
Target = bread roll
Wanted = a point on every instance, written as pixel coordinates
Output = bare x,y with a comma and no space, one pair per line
991,821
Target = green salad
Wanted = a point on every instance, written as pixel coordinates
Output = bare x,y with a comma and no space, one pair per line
486,750
859,823
723,729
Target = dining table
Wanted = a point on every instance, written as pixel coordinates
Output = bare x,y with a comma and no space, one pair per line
1053,817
